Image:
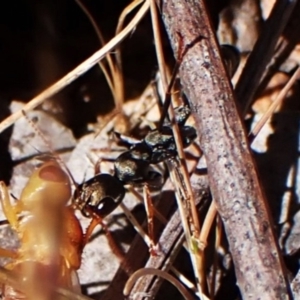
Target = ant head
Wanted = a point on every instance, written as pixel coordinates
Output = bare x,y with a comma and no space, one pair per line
49,186
99,196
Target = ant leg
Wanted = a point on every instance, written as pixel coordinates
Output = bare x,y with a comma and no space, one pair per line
90,229
96,220
97,168
9,210
150,217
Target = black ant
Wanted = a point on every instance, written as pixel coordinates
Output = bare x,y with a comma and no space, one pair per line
100,195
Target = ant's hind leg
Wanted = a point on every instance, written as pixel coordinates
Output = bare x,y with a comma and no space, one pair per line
9,210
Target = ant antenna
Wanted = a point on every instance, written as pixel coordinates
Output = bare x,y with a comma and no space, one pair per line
46,142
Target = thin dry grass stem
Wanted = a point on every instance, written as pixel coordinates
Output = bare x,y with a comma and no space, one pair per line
208,221
146,238
191,222
157,214
138,228
158,45
181,196
280,97
151,271
195,224
207,224
212,286
127,10
109,77
150,217
119,78
9,278
181,154
79,70
119,74
190,285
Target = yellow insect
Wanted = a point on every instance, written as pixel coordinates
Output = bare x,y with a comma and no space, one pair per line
51,237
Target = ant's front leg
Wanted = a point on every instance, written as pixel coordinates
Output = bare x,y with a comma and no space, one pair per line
96,220
97,168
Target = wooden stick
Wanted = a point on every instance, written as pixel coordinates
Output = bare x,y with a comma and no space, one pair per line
231,171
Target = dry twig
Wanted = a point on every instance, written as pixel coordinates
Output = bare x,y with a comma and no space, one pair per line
232,177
